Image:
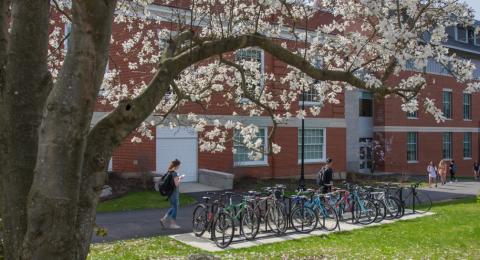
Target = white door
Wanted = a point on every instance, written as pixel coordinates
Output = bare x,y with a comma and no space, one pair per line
178,143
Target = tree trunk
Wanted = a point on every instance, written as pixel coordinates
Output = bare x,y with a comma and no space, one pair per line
27,83
53,198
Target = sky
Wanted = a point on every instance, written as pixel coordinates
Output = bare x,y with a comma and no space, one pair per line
476,6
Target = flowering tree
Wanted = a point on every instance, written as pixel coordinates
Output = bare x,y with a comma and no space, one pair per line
53,162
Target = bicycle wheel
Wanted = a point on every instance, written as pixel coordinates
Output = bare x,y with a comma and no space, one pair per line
382,210
304,219
393,207
327,217
423,201
249,223
200,220
277,218
365,212
223,230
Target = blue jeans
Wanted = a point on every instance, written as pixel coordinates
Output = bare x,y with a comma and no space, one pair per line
174,201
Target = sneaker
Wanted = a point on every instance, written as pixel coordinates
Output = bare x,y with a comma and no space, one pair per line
162,222
174,226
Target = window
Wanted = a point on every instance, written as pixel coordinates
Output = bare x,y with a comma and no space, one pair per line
311,95
252,55
467,145
412,114
314,144
461,34
447,145
476,72
366,104
241,156
467,106
68,34
447,103
476,37
436,67
412,146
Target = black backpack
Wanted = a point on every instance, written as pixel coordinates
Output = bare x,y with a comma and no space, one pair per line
167,185
320,176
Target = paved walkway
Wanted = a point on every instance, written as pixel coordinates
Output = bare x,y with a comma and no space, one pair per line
205,243
145,223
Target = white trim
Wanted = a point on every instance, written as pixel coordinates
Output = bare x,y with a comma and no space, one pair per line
310,103
261,121
428,129
312,161
412,162
467,158
263,162
461,49
447,89
409,117
466,35
165,13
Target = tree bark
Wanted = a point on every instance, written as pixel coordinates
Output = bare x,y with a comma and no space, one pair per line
53,198
26,86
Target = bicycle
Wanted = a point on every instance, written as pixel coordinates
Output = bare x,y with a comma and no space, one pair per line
417,199
327,216
303,218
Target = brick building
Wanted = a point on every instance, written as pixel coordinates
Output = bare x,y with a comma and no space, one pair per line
345,132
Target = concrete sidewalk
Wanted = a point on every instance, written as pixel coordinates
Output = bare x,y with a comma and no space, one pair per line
145,223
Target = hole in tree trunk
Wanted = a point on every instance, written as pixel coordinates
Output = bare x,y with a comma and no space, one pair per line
128,107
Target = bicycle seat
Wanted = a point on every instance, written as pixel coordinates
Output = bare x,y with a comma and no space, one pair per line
206,199
229,193
253,193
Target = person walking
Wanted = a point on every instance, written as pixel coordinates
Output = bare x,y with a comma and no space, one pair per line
442,171
476,170
432,174
174,197
453,171
325,177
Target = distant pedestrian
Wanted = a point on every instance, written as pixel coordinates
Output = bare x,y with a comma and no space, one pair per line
453,171
325,177
476,170
432,174
174,197
442,171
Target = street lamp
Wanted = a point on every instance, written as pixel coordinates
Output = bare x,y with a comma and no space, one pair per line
301,184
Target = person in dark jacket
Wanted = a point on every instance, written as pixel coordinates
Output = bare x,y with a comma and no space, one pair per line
476,170
453,171
326,181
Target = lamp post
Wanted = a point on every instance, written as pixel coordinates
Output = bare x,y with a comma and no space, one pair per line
301,184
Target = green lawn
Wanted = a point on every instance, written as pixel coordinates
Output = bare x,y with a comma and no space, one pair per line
452,233
141,200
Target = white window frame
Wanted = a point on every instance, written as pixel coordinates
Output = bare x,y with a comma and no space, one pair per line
469,105
65,42
263,162
466,35
324,150
451,144
475,38
416,147
412,117
470,144
451,102
318,64
262,69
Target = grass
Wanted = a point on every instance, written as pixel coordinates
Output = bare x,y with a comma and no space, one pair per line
141,200
452,233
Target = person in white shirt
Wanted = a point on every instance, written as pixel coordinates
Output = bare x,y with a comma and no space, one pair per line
432,174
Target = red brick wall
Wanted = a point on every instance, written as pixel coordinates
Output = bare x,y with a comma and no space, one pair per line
143,153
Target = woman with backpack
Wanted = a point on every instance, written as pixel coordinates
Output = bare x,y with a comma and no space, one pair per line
432,174
173,179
